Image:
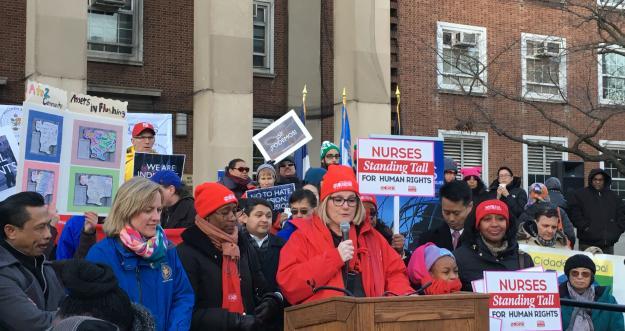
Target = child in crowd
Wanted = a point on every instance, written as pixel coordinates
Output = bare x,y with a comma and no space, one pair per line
434,269
266,175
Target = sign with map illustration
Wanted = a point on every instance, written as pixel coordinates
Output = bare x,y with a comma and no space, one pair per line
42,178
8,162
91,189
147,164
11,117
96,144
44,137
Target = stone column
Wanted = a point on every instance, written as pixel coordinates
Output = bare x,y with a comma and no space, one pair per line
304,58
222,75
56,43
362,64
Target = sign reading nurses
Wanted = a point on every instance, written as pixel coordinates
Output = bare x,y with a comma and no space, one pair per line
396,167
523,300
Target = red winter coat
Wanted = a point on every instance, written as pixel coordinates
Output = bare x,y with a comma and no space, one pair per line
309,259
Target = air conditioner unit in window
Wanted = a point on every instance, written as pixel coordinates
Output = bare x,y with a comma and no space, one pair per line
109,6
547,49
464,40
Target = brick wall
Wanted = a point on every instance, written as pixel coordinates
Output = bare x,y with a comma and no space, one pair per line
425,110
167,65
13,51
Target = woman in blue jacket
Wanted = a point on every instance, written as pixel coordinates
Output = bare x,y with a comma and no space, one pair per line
580,271
145,263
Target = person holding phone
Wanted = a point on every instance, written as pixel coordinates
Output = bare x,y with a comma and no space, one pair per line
507,188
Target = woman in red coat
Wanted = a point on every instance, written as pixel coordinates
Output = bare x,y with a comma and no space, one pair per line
315,255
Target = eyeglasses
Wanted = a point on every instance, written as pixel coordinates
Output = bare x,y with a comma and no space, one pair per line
242,169
301,211
333,156
339,201
584,274
284,165
144,137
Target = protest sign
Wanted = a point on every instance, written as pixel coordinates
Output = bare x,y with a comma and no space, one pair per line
524,300
87,104
282,137
8,162
73,159
42,94
11,116
479,286
162,125
396,167
278,195
146,164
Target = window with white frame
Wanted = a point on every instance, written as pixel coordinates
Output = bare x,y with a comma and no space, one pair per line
461,56
612,75
537,159
543,67
115,34
467,149
262,12
618,179
607,4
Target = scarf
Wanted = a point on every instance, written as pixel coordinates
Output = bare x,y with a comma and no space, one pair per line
152,250
230,282
238,180
496,251
442,286
581,318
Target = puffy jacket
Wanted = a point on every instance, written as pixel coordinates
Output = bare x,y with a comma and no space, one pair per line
163,288
180,215
528,231
530,214
203,263
310,260
70,238
516,200
23,305
602,320
473,257
598,215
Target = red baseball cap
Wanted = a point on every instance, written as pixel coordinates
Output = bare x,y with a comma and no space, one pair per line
142,126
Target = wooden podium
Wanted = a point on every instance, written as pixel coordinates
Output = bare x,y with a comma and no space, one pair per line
457,312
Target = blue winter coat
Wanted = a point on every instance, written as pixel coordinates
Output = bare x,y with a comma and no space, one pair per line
602,320
70,237
161,287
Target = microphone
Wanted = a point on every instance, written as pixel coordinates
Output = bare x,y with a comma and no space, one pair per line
345,231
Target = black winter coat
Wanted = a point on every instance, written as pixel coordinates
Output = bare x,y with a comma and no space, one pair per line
180,215
441,237
598,215
516,200
203,261
269,259
479,193
473,257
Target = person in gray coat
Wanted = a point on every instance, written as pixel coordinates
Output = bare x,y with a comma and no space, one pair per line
30,292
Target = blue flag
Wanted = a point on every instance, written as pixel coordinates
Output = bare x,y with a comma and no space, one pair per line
302,162
346,139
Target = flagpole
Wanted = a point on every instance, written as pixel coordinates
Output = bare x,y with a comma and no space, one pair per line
304,94
398,94
345,97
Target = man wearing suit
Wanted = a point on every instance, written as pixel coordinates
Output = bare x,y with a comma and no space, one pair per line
456,205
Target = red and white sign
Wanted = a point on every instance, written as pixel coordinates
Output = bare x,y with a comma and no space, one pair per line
396,167
524,300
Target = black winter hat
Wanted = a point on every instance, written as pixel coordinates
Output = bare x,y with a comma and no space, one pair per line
579,261
86,280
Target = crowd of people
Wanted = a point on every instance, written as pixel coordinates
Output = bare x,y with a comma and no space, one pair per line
241,260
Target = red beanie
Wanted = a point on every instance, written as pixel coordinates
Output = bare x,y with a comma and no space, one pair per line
487,207
338,178
369,198
212,196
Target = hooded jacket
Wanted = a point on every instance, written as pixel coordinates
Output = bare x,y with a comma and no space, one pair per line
310,260
473,257
601,319
180,215
599,216
516,200
529,215
555,192
23,303
162,287
528,233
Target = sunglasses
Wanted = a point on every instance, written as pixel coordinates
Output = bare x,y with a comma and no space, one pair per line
303,211
284,165
243,169
584,274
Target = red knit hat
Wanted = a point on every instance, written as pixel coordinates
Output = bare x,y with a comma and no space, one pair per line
369,198
488,207
212,196
338,178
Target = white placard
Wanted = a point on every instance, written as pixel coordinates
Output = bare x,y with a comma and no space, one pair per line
162,123
9,152
11,117
282,138
42,94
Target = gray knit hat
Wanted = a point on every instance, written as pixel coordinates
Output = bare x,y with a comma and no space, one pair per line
553,183
266,166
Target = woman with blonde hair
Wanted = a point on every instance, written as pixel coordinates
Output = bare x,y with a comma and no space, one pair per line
317,263
144,261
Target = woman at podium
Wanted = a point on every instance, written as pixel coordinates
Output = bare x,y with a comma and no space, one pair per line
339,253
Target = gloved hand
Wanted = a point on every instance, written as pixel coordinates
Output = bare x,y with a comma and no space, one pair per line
248,323
269,307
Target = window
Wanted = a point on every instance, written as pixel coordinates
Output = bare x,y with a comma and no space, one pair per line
263,36
467,149
618,4
618,179
116,35
258,125
543,68
461,57
612,75
537,159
